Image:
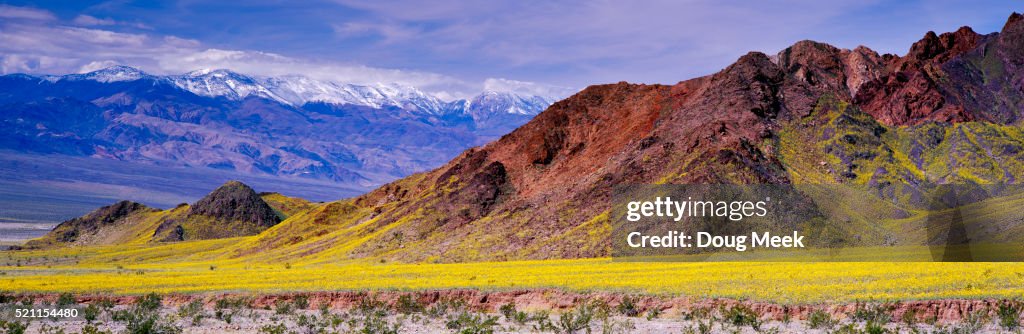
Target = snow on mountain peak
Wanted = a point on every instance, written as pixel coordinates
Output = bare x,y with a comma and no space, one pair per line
508,102
110,74
296,90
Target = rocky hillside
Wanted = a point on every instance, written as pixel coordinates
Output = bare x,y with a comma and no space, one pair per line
946,112
949,111
104,226
232,210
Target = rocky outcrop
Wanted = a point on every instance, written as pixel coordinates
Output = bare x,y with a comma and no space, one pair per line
232,210
87,229
235,201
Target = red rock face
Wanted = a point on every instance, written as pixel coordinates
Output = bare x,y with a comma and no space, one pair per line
713,129
939,79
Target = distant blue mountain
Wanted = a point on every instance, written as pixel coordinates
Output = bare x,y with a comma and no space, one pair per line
360,135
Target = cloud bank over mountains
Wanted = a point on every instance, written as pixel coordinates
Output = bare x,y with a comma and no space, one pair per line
37,41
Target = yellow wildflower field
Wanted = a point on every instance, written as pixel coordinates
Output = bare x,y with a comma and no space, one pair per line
781,282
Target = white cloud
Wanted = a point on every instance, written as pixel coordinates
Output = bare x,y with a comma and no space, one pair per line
97,65
87,20
25,13
52,48
527,88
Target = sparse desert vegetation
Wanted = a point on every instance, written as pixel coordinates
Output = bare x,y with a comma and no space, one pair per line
409,313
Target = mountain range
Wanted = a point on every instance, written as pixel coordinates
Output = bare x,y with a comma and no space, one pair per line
949,111
361,135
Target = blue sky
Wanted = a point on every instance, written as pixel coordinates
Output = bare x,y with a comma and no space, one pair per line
457,48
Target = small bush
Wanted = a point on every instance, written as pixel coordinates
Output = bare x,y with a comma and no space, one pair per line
628,307
820,320
376,324
65,300
47,329
741,315
543,319
909,318
141,319
300,302
1009,315
445,306
875,328
106,303
90,313
874,313
149,302
653,313
92,329
277,328
282,307
13,327
469,323
508,310
406,304
232,303
577,320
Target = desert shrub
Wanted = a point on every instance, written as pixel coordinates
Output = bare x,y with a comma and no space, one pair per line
140,321
144,318
820,319
192,308
653,313
909,318
507,310
300,302
90,313
847,329
543,319
12,327
150,302
406,304
374,323
577,320
192,311
225,315
282,307
698,329
697,313
106,303
232,303
1009,315
741,315
276,328
628,307
471,323
874,328
445,306
65,299
874,313
47,329
92,329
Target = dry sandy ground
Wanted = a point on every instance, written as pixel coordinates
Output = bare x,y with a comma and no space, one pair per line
260,321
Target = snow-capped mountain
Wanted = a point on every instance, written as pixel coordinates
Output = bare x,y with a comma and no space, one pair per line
297,90
106,75
491,102
294,126
223,83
